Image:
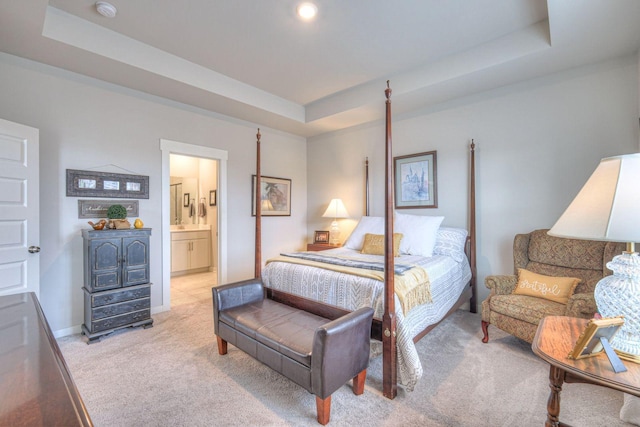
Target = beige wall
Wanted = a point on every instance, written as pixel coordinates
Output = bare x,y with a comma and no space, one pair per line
87,124
537,143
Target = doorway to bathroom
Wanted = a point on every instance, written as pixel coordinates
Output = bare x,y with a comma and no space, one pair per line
193,211
194,221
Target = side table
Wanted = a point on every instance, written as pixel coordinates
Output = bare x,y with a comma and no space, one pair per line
554,339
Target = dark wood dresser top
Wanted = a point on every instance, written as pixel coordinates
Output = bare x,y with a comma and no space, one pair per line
36,387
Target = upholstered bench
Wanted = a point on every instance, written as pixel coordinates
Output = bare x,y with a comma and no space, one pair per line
316,353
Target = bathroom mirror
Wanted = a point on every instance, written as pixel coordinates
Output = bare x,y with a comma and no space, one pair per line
184,193
175,199
191,181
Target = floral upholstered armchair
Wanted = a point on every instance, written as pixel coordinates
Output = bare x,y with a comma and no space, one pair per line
537,252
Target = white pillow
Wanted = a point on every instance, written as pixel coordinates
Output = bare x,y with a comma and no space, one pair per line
418,233
451,242
367,224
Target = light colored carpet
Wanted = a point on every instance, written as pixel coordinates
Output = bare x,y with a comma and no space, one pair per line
172,375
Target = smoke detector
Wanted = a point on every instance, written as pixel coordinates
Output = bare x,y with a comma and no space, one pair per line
106,9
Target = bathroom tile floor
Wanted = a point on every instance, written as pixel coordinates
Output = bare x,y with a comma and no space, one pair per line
192,288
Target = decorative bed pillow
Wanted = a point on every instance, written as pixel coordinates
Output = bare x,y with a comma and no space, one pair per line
419,233
374,244
450,242
557,289
367,224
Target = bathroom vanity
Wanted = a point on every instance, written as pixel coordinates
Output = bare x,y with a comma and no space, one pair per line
190,249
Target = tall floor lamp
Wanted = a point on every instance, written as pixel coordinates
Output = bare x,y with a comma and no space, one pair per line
607,208
335,210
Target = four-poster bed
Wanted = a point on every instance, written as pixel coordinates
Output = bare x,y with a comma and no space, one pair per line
453,281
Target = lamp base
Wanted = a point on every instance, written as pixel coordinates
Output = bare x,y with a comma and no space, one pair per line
334,233
619,295
627,356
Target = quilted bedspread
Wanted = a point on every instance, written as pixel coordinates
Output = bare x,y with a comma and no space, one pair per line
448,279
411,283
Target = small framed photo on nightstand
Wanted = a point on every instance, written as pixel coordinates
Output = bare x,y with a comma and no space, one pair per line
589,343
321,237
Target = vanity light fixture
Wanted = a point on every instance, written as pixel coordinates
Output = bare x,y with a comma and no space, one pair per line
307,11
106,9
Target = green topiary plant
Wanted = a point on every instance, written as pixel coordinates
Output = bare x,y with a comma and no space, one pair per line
116,212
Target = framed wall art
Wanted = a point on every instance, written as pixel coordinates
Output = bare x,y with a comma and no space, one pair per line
105,184
98,208
415,180
186,200
212,198
275,194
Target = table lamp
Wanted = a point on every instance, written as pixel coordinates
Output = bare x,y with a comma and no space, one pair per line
335,210
607,209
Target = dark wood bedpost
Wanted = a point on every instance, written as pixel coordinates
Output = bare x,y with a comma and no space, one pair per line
389,368
472,229
258,202
366,186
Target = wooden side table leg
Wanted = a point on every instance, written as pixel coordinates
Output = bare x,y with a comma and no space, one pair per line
556,379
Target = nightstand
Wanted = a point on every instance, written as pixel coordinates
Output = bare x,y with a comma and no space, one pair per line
321,246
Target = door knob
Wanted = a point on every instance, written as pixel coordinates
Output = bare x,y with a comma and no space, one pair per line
34,249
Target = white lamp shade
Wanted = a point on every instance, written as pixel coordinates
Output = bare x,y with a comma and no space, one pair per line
607,207
336,209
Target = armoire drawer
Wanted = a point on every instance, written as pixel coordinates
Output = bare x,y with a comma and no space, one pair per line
117,321
120,295
120,308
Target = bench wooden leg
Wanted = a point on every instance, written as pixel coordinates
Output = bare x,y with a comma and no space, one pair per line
358,382
222,346
323,407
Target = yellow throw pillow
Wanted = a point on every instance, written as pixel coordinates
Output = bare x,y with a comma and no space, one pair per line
374,244
557,289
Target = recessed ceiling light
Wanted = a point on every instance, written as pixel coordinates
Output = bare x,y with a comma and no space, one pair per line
106,9
307,11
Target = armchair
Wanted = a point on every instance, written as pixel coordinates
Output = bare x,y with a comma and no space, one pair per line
540,253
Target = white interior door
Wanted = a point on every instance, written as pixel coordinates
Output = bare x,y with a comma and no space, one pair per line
19,209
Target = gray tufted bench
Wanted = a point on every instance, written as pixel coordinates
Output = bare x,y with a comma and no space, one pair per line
316,353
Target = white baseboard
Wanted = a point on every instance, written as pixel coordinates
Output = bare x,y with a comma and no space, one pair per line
77,329
160,309
67,331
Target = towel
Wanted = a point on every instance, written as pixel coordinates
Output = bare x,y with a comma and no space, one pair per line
202,211
192,209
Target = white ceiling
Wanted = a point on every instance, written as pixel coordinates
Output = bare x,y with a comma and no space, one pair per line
254,60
